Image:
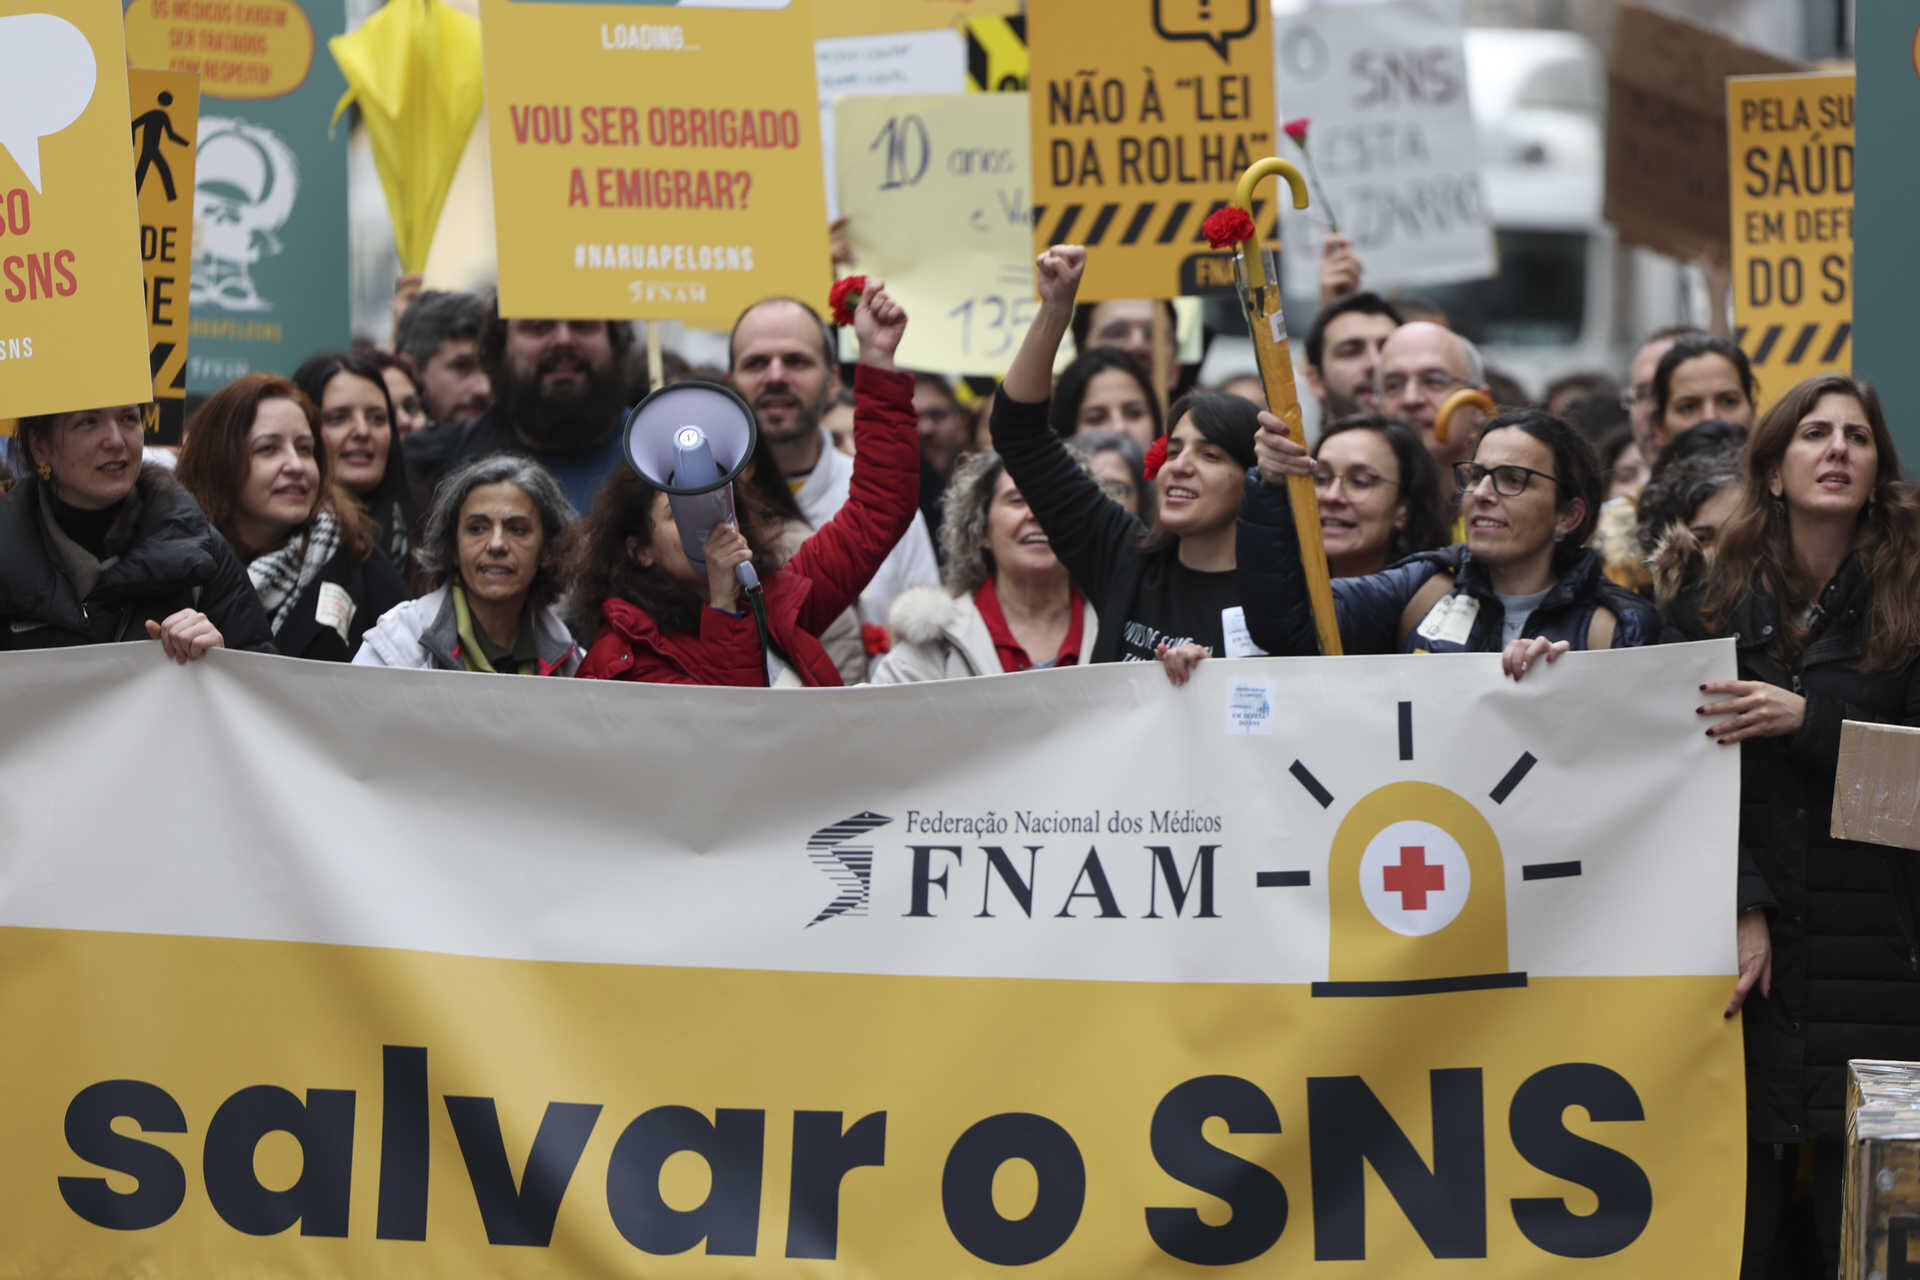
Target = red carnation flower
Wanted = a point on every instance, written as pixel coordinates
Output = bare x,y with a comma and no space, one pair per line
845,296
1156,458
872,634
1297,130
1227,226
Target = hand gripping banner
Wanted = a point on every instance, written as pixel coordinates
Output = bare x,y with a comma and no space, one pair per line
323,971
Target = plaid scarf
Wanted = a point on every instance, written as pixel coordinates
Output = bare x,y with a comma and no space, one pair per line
280,577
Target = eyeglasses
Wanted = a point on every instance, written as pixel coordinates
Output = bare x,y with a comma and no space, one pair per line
1357,480
1433,381
1509,480
1119,490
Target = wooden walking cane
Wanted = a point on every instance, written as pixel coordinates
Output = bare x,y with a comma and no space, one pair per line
1260,294
1464,398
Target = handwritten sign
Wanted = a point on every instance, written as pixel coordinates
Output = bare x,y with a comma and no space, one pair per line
832,18
658,161
1144,116
1790,158
1392,139
166,112
904,62
935,189
71,333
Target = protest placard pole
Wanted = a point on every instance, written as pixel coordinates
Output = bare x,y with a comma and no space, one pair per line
656,366
1260,294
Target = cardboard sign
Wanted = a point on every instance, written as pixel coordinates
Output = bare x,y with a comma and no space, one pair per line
834,18
1876,789
271,274
654,161
1889,192
935,191
71,333
905,62
1392,139
166,115
1145,114
1371,973
1790,159
1667,131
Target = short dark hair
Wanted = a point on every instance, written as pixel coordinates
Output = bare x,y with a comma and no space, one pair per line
1691,346
1715,435
829,342
1071,390
1365,302
1427,522
1231,422
1676,490
1585,383
1575,467
435,318
1082,323
493,342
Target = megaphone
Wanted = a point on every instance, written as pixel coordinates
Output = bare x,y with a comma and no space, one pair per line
689,440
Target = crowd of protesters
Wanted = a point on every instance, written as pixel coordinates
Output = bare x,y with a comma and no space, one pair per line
463,503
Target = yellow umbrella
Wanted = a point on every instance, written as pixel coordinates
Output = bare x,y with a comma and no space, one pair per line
414,70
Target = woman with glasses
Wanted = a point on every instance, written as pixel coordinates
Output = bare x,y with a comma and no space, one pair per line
1528,497
1005,603
1375,483
1119,466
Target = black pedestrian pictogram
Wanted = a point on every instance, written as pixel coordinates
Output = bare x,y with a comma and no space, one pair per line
148,130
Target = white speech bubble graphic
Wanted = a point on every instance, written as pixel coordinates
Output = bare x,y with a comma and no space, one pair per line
47,77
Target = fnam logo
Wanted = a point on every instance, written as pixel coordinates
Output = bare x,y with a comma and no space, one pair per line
849,866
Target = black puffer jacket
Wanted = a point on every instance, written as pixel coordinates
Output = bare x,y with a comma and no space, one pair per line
173,561
1845,916
1468,619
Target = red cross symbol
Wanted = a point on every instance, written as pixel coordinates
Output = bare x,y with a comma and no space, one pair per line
1413,879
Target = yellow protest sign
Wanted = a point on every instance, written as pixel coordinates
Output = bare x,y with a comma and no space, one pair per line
878,17
166,116
997,58
1144,116
657,161
1790,156
71,329
934,189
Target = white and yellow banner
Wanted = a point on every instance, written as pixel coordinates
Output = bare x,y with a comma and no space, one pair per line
1382,963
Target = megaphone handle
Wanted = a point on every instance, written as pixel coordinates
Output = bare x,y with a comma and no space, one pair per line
749,580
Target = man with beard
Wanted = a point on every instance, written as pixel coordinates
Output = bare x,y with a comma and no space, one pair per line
781,356
1343,349
559,400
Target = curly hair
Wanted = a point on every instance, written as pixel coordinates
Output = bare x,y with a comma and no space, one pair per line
1756,544
439,549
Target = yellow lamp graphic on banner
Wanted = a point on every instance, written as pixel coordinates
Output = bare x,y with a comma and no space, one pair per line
414,70
1417,887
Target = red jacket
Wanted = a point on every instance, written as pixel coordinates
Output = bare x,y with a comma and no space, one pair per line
806,594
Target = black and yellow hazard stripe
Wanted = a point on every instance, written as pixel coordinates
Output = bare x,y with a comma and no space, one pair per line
997,59
1136,222
1806,346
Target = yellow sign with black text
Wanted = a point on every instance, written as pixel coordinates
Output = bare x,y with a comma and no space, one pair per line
1790,159
1145,114
654,161
166,118
1372,968
72,333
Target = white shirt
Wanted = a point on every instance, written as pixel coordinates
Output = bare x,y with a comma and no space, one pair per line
909,564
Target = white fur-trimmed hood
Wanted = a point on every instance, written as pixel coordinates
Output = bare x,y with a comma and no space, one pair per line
921,615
